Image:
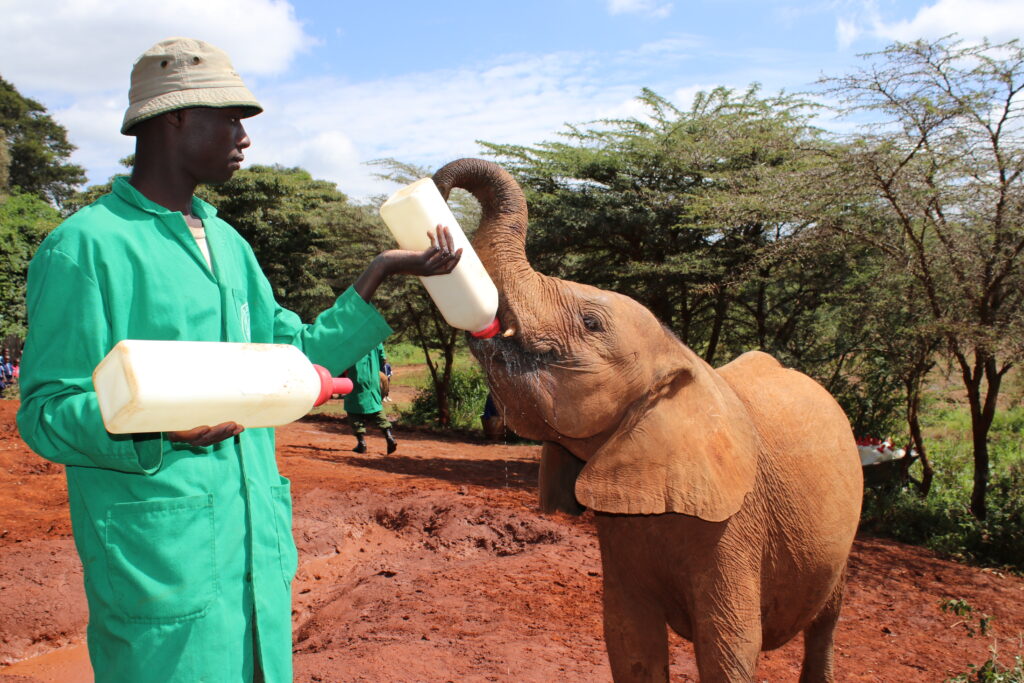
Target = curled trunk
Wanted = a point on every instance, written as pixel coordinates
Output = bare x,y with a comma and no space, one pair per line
500,241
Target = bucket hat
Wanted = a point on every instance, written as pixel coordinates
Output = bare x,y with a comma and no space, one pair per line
184,72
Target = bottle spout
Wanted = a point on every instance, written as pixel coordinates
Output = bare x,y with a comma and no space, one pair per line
331,386
490,331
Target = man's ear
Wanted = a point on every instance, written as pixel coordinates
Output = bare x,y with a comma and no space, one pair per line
175,119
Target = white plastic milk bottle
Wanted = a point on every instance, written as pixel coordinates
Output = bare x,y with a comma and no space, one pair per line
169,386
466,297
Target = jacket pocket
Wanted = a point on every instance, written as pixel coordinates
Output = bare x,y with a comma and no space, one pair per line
161,556
281,497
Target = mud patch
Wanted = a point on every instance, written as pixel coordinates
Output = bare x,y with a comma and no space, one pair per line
465,527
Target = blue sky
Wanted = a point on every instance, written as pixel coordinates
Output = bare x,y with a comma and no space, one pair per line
345,82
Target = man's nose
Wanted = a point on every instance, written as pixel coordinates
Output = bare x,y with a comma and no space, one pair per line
244,141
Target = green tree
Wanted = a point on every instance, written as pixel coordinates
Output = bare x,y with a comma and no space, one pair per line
309,239
676,208
5,166
942,163
24,221
37,147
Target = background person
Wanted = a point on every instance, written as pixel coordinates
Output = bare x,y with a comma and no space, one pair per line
365,404
185,537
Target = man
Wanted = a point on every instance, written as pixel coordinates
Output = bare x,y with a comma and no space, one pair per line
185,537
365,402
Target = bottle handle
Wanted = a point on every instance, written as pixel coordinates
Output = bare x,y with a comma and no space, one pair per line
330,386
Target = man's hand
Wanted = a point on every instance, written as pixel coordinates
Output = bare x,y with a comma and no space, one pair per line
439,259
206,436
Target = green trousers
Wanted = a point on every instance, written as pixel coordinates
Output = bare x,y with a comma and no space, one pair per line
358,421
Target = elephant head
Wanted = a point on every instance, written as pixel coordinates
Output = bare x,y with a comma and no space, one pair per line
595,376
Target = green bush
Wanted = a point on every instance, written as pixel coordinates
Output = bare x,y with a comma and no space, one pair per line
993,672
466,400
943,521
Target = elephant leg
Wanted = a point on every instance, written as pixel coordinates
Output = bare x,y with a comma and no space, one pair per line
818,639
558,471
727,631
635,624
635,634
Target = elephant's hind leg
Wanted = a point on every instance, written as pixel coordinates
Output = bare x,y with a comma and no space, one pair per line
818,639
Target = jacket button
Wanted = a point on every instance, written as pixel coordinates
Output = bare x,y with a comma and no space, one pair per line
248,577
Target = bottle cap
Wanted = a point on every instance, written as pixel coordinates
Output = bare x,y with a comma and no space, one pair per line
329,386
489,331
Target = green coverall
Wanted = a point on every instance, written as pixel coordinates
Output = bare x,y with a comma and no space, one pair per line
182,547
365,403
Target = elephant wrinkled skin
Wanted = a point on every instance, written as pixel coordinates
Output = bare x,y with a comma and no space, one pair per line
726,500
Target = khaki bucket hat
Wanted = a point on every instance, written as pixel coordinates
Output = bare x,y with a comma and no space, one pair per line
183,72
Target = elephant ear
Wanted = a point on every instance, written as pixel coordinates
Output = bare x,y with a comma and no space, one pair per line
689,447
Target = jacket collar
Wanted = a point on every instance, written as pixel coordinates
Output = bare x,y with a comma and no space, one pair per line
127,193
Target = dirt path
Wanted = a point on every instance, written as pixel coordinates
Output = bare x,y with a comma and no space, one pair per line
433,565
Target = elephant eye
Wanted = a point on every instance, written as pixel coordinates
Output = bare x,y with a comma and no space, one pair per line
592,322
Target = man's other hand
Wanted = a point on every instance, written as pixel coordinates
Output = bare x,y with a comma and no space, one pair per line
207,436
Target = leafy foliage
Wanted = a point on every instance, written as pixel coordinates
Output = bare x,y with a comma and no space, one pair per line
942,521
467,393
36,149
677,209
24,221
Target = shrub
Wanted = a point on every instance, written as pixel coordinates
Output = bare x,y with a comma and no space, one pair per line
466,401
943,522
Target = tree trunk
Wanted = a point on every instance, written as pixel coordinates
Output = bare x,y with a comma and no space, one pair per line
982,414
917,439
721,306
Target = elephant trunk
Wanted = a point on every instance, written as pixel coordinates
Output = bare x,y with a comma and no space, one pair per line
500,241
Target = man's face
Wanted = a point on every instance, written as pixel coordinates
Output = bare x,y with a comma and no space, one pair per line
212,141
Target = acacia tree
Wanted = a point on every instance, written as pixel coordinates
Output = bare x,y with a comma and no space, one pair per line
674,208
943,164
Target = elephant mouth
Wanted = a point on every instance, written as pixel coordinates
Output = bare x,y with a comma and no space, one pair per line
512,358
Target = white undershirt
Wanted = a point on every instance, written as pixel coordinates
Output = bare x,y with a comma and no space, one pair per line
200,235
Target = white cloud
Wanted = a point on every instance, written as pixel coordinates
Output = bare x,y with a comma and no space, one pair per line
972,19
652,8
428,118
847,32
84,46
997,20
76,56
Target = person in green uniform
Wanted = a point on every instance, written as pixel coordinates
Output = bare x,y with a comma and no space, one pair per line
365,403
185,537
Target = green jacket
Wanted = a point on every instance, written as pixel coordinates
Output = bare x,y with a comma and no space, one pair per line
181,546
365,397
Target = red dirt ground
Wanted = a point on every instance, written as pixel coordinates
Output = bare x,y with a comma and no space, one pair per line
434,565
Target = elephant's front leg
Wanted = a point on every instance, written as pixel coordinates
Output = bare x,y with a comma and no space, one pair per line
635,633
727,629
635,630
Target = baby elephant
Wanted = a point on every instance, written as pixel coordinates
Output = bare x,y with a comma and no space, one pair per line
727,500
